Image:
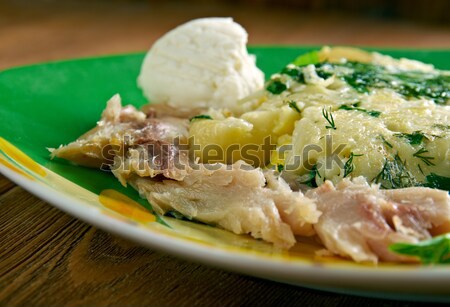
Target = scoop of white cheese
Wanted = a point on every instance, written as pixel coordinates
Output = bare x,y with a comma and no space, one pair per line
202,63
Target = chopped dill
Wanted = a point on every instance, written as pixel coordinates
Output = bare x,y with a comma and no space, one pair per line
365,76
385,142
349,166
372,113
201,116
414,138
293,105
311,180
425,159
441,127
329,117
420,169
395,175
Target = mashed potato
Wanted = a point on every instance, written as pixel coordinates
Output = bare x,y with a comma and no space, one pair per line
202,63
343,112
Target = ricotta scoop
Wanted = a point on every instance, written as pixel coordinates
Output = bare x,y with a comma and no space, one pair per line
202,63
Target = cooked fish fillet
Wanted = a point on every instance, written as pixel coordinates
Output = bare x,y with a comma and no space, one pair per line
361,221
126,137
160,110
235,198
93,148
353,219
238,197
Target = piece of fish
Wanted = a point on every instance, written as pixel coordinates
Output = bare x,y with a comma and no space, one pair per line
361,221
130,141
94,148
160,110
237,198
149,150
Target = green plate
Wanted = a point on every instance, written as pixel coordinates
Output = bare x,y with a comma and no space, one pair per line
45,105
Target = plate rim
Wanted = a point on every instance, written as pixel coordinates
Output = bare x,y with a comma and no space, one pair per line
219,257
231,260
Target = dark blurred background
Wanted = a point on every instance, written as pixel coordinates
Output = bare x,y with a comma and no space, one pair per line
43,30
434,11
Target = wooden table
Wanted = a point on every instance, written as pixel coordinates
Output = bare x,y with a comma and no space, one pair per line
48,258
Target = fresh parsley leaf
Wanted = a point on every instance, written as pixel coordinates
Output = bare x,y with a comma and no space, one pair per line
432,251
201,116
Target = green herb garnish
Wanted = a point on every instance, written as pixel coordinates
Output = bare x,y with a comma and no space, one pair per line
329,117
438,182
414,138
432,251
311,180
420,169
323,74
364,76
425,159
386,142
349,166
395,175
307,58
295,72
276,87
293,105
201,116
372,113
441,127
280,168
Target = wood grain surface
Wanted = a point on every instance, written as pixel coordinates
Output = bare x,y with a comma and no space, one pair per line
48,258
